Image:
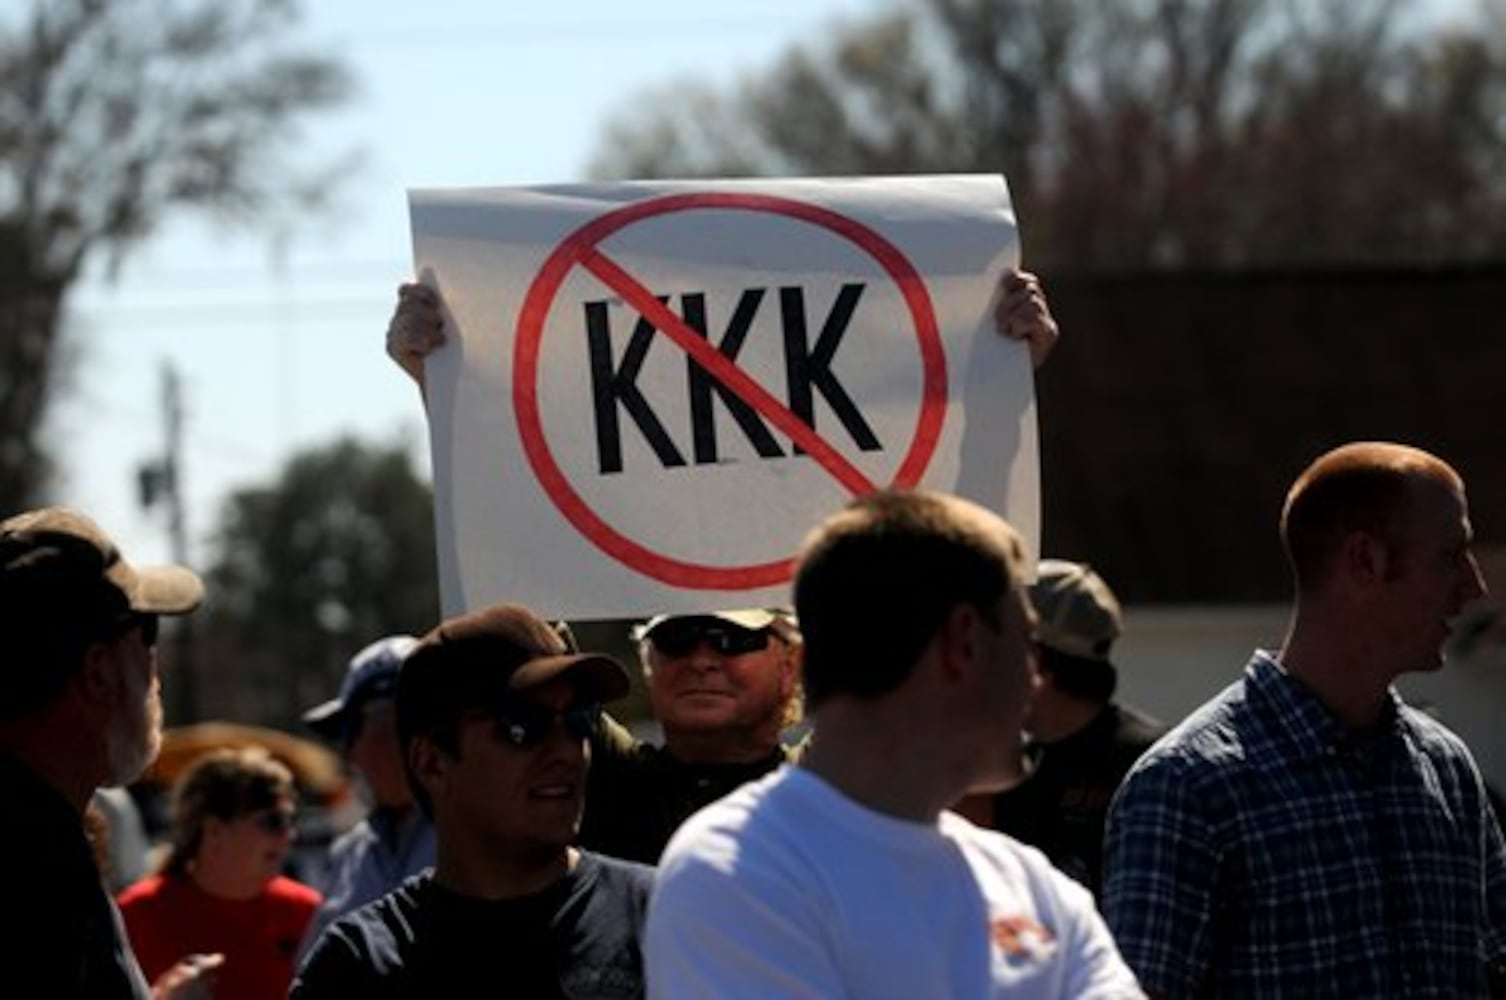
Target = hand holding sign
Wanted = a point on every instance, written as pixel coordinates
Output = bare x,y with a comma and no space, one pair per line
416,329
658,386
1022,314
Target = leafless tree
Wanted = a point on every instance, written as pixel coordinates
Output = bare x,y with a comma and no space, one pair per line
1137,133
114,116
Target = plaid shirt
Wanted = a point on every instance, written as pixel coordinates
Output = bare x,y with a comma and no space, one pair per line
1261,850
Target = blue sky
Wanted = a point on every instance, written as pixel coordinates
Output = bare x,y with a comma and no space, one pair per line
279,352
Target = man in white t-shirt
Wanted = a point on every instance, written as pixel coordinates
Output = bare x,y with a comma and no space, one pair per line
846,876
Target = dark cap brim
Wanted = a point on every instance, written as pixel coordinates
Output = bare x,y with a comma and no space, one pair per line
599,677
328,719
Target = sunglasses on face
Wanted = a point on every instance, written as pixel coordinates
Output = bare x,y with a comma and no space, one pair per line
526,723
273,820
682,637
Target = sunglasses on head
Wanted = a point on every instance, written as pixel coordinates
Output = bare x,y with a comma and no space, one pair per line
681,636
527,723
274,820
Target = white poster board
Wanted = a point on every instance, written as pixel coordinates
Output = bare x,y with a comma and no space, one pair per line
651,391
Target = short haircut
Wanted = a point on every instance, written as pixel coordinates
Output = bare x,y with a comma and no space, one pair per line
1366,486
878,579
225,784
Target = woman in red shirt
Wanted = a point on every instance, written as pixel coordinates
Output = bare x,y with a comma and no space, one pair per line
221,891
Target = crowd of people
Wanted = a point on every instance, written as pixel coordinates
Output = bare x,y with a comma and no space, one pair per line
964,809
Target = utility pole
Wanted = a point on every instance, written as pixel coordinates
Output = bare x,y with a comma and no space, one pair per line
161,485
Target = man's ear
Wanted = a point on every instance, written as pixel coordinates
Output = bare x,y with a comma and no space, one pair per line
957,640
101,677
429,764
1364,559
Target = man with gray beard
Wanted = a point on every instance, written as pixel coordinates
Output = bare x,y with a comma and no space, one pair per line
80,709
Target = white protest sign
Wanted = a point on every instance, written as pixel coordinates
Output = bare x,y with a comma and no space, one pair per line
652,391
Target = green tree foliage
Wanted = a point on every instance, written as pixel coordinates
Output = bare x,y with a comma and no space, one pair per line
335,553
114,116
1137,133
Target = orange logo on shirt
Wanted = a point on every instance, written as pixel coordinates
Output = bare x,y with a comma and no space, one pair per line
1010,934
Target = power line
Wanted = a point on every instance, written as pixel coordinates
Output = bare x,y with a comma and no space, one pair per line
216,446
226,314
204,275
535,33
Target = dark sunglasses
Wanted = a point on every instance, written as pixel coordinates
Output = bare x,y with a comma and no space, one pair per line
680,637
274,820
527,723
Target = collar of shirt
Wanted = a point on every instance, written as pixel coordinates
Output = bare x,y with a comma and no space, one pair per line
1289,708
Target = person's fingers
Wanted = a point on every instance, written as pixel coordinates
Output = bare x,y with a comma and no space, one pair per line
1023,305
415,292
1020,281
1020,306
192,978
1022,314
416,328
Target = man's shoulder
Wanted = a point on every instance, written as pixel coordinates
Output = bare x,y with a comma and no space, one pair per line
384,921
361,952
719,827
616,875
1194,764
1441,745
1431,735
1215,734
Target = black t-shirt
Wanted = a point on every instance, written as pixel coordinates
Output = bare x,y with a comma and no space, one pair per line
1062,807
576,939
62,935
638,794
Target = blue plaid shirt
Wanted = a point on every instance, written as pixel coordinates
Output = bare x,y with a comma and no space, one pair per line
1260,849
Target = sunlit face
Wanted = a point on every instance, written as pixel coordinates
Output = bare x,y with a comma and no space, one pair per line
705,689
519,796
1433,575
134,734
